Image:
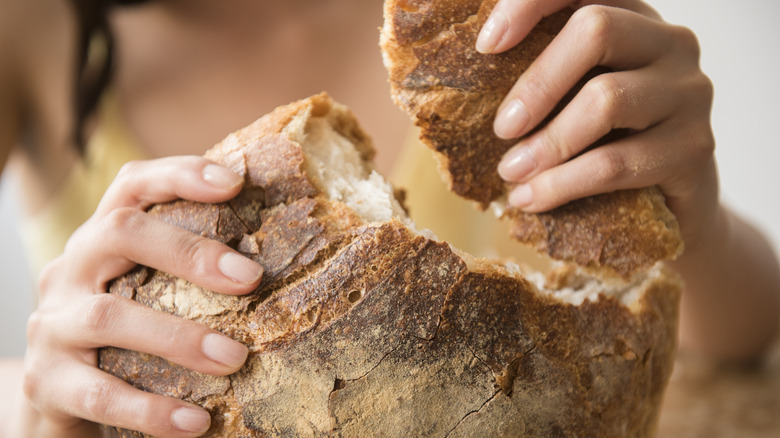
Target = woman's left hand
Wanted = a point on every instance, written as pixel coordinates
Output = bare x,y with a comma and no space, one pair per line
654,90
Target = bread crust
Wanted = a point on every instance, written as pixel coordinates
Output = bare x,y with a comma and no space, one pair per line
453,92
368,329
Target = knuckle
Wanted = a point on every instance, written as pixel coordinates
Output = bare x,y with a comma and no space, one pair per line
605,97
31,381
686,40
610,165
97,397
48,277
82,235
35,324
100,313
547,193
702,142
128,170
36,380
594,23
536,88
124,218
705,90
178,340
709,88
555,149
695,140
182,329
192,255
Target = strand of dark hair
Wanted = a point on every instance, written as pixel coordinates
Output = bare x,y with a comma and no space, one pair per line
92,22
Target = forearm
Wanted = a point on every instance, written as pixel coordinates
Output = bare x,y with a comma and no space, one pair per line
731,304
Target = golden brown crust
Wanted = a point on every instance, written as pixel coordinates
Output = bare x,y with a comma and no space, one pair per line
452,92
626,231
371,330
275,122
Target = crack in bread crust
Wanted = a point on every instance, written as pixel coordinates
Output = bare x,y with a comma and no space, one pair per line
367,328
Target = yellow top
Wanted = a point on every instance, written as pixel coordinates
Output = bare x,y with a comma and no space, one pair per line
431,205
45,233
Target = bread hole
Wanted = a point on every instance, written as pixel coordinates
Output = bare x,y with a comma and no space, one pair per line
374,268
311,315
354,296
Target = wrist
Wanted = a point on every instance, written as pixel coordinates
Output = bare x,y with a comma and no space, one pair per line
713,237
730,306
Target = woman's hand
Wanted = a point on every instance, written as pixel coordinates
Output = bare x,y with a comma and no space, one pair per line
654,90
76,316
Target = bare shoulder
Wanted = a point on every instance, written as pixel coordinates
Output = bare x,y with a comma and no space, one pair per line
10,77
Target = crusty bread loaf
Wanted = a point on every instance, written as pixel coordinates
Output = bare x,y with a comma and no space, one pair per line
452,92
363,326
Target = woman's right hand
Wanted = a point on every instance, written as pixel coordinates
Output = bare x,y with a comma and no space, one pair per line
76,316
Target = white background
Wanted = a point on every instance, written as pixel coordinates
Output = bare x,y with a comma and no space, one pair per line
740,52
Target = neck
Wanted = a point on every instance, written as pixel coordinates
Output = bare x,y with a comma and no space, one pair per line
209,13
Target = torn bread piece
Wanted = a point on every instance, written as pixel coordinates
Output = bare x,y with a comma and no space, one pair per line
453,92
363,326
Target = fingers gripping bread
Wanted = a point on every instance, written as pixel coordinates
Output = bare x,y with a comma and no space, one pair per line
363,326
452,92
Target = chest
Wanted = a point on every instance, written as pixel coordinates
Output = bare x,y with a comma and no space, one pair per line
181,88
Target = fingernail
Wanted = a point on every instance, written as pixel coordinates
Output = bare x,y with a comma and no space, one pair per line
494,29
516,164
239,268
521,196
191,420
511,120
224,350
221,177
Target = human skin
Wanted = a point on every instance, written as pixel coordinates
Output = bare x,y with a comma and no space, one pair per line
656,90
187,73
66,393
